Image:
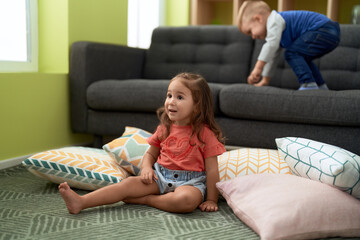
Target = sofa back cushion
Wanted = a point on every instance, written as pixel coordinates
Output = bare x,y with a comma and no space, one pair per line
339,68
220,53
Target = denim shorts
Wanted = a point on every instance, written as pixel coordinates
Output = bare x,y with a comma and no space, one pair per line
168,179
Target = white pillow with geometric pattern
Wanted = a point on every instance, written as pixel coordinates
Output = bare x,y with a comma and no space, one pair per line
322,162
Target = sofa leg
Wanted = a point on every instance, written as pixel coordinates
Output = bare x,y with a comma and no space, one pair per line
98,141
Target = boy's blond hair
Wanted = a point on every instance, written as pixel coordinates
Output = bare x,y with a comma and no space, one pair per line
251,7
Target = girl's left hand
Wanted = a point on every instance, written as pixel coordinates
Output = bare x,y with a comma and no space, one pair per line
208,206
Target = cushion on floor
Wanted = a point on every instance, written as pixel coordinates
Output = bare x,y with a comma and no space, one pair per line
283,206
322,162
80,167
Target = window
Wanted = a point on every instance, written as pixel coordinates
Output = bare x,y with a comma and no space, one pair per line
19,36
143,17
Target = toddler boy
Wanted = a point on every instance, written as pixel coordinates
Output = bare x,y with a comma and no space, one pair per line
305,36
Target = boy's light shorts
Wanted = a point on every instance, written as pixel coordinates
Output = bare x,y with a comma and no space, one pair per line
168,179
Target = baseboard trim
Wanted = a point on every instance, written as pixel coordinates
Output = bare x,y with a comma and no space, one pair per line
11,162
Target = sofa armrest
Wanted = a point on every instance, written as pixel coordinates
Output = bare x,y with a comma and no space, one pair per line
90,62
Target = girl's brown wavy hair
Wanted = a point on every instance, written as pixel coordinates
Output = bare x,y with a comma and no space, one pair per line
203,110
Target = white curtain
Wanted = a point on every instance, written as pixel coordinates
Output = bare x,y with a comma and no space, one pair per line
143,17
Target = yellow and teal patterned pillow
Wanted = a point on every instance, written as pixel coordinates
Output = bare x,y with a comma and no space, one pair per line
80,167
322,162
129,149
247,161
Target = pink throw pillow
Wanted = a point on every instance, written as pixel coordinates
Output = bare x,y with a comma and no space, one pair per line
281,206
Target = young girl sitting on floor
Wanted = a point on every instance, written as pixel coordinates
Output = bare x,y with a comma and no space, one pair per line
180,169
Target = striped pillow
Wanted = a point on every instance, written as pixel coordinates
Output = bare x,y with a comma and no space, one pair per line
81,167
247,161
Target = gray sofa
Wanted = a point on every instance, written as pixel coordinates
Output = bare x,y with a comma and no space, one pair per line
113,86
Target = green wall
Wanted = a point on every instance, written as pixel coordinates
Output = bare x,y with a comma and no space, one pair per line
63,22
53,36
34,114
35,106
98,20
177,12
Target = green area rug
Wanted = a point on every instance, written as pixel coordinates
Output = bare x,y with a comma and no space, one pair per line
31,208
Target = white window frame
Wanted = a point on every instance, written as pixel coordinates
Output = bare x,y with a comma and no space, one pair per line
143,17
31,65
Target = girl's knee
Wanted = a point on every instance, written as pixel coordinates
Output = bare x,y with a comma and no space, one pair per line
187,202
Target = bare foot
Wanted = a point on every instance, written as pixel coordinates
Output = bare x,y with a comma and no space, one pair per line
71,198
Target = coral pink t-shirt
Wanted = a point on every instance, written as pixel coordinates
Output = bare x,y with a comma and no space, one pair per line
176,153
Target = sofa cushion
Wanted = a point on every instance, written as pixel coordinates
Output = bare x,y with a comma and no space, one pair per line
284,105
134,95
220,53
